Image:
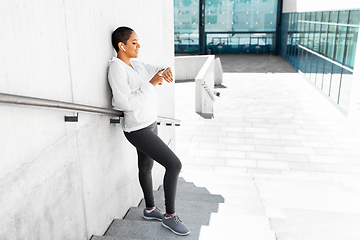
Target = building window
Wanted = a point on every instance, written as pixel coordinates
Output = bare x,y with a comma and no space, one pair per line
322,45
226,24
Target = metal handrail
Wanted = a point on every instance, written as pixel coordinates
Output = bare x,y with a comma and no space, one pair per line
212,96
41,102
169,121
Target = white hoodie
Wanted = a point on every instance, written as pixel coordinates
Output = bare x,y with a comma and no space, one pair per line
133,93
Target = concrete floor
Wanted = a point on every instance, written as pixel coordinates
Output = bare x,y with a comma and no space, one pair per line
252,63
286,161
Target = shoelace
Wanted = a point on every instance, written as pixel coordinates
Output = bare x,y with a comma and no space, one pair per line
176,219
157,210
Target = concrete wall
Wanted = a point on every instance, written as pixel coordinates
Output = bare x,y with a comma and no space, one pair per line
70,180
204,89
187,67
318,5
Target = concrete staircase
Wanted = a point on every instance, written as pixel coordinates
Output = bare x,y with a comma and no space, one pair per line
257,206
271,207
193,204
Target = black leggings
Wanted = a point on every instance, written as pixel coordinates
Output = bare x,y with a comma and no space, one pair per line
149,148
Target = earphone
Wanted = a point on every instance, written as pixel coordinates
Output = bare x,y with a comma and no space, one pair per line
123,48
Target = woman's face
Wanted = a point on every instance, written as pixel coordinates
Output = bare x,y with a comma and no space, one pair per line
132,46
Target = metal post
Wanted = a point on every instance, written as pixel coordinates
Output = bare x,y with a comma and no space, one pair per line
202,39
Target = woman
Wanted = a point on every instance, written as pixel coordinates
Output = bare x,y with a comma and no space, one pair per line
133,87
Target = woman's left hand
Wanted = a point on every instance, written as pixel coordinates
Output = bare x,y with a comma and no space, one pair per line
168,75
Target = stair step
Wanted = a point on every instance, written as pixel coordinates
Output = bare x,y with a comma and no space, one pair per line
184,186
110,238
203,179
311,236
191,212
304,214
245,191
342,227
189,188
264,173
197,172
210,233
182,198
150,230
297,183
241,209
280,191
193,204
237,226
295,175
313,203
289,176
242,223
182,181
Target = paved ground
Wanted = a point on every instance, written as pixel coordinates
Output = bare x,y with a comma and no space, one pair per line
252,63
284,158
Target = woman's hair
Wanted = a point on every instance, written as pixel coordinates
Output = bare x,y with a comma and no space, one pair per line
121,34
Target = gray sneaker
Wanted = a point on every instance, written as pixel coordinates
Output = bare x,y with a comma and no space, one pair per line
176,225
157,214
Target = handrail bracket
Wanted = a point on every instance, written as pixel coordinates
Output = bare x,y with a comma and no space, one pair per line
72,118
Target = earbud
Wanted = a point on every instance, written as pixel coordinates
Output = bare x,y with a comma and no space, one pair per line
123,48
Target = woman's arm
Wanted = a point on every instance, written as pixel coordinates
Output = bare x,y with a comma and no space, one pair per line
152,70
166,72
123,98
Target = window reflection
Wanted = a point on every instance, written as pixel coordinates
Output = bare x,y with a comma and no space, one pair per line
226,16
324,33
239,43
186,25
331,41
320,72
351,41
240,15
322,45
346,83
327,78
340,43
335,83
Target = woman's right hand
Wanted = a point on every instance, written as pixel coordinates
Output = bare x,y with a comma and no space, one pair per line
157,79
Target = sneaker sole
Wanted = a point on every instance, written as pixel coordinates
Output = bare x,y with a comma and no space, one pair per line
181,234
152,218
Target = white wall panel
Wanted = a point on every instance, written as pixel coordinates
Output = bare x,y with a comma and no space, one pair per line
69,180
33,49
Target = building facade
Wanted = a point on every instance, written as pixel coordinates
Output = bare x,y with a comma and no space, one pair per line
225,26
318,38
322,46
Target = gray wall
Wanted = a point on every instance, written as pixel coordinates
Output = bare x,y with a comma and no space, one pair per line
70,180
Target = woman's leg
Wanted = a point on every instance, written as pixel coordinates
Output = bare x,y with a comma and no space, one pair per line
145,165
146,141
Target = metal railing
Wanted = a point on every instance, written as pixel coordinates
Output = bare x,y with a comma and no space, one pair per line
204,82
207,89
47,103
